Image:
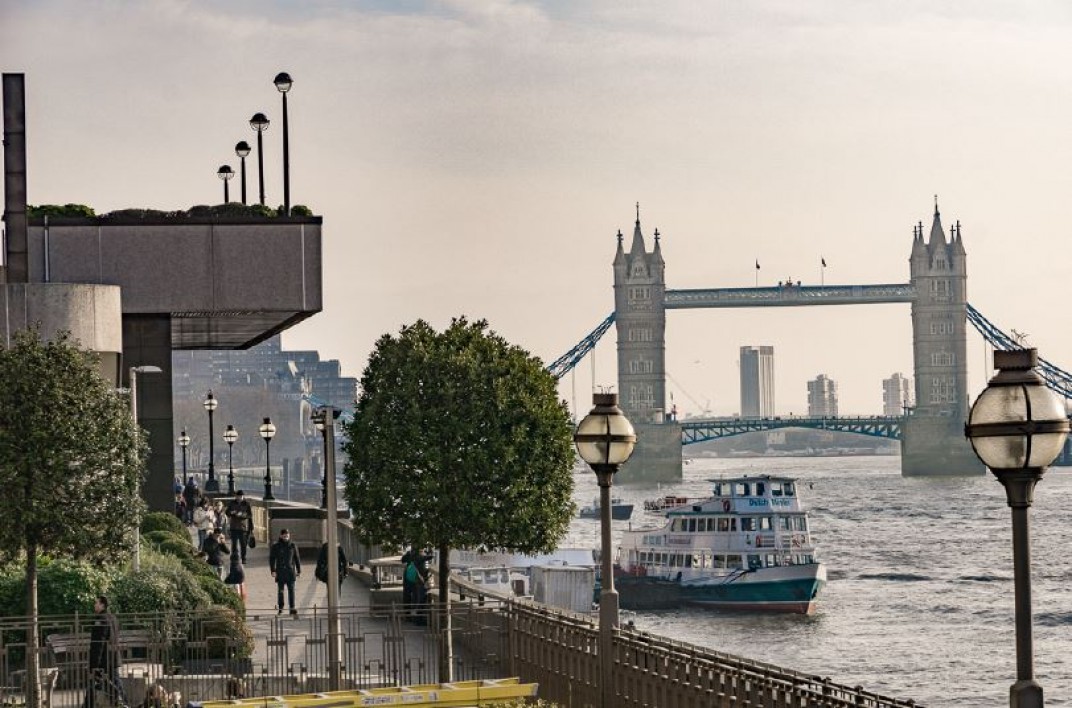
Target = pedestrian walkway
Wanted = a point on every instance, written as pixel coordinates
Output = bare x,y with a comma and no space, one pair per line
380,646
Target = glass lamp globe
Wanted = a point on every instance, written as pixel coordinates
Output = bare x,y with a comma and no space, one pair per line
1017,423
605,436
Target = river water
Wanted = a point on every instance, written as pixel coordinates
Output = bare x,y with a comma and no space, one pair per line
919,602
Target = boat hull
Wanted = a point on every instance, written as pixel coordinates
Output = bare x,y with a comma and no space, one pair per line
749,592
619,512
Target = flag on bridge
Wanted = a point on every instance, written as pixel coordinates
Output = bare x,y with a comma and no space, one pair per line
757,265
823,260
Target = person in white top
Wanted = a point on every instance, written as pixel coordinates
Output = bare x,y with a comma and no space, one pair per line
204,521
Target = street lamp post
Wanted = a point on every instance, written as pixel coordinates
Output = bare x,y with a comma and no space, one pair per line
225,173
325,422
259,123
134,371
283,82
1017,427
267,431
242,149
230,435
605,440
184,442
210,405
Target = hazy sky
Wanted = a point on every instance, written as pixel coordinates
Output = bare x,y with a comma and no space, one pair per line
478,158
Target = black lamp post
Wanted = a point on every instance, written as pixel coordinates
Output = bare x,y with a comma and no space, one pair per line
210,405
259,123
283,82
605,440
267,431
242,150
318,420
230,435
184,442
225,173
1017,427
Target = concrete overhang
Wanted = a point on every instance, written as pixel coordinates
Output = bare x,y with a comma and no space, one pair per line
226,283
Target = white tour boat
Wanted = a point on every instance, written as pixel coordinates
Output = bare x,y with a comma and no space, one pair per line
747,547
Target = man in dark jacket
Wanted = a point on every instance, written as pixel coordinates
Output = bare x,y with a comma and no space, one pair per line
216,551
322,564
104,657
192,496
285,565
240,519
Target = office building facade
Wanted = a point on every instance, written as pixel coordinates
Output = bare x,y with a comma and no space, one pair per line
757,382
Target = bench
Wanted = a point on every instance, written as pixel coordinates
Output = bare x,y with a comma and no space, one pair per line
15,694
74,648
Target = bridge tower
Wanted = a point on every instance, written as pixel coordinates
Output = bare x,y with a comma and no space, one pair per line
934,442
639,304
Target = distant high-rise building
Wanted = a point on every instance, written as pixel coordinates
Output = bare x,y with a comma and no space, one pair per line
757,382
896,394
822,397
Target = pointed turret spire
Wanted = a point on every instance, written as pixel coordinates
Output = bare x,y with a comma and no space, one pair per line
637,247
937,233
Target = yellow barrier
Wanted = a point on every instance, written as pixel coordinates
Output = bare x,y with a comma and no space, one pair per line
456,694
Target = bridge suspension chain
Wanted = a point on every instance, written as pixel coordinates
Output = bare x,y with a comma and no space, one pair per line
565,363
1056,379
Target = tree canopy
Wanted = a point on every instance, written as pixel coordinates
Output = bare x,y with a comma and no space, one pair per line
459,440
71,462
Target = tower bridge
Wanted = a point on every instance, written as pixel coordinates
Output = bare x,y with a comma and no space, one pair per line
932,437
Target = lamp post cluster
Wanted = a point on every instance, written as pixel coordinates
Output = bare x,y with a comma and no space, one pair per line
1017,427
259,123
230,436
605,439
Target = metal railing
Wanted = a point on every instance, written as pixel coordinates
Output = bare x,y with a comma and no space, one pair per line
208,656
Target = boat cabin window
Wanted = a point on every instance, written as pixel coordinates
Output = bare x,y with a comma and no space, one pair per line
692,526
748,523
776,489
742,489
734,562
785,523
765,523
692,561
725,524
755,561
760,489
800,523
721,490
718,561
788,488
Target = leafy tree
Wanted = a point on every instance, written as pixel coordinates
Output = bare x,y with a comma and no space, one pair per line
458,441
71,462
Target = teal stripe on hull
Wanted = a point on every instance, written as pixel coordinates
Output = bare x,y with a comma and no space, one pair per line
802,590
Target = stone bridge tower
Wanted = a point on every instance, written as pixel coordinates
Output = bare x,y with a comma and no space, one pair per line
639,304
934,442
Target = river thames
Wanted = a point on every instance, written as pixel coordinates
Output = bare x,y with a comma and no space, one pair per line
919,602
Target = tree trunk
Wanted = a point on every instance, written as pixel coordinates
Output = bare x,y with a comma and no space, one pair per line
446,656
33,659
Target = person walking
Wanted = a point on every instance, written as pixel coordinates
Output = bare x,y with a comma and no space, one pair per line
204,521
285,565
104,657
216,551
240,518
236,577
322,564
192,495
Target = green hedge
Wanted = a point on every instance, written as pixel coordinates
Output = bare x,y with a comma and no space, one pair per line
162,521
64,587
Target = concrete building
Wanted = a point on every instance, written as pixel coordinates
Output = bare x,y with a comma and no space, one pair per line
822,397
757,382
896,395
138,287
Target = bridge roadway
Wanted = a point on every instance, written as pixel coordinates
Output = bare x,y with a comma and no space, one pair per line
696,431
789,295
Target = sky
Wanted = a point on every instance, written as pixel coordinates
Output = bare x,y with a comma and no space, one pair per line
478,158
